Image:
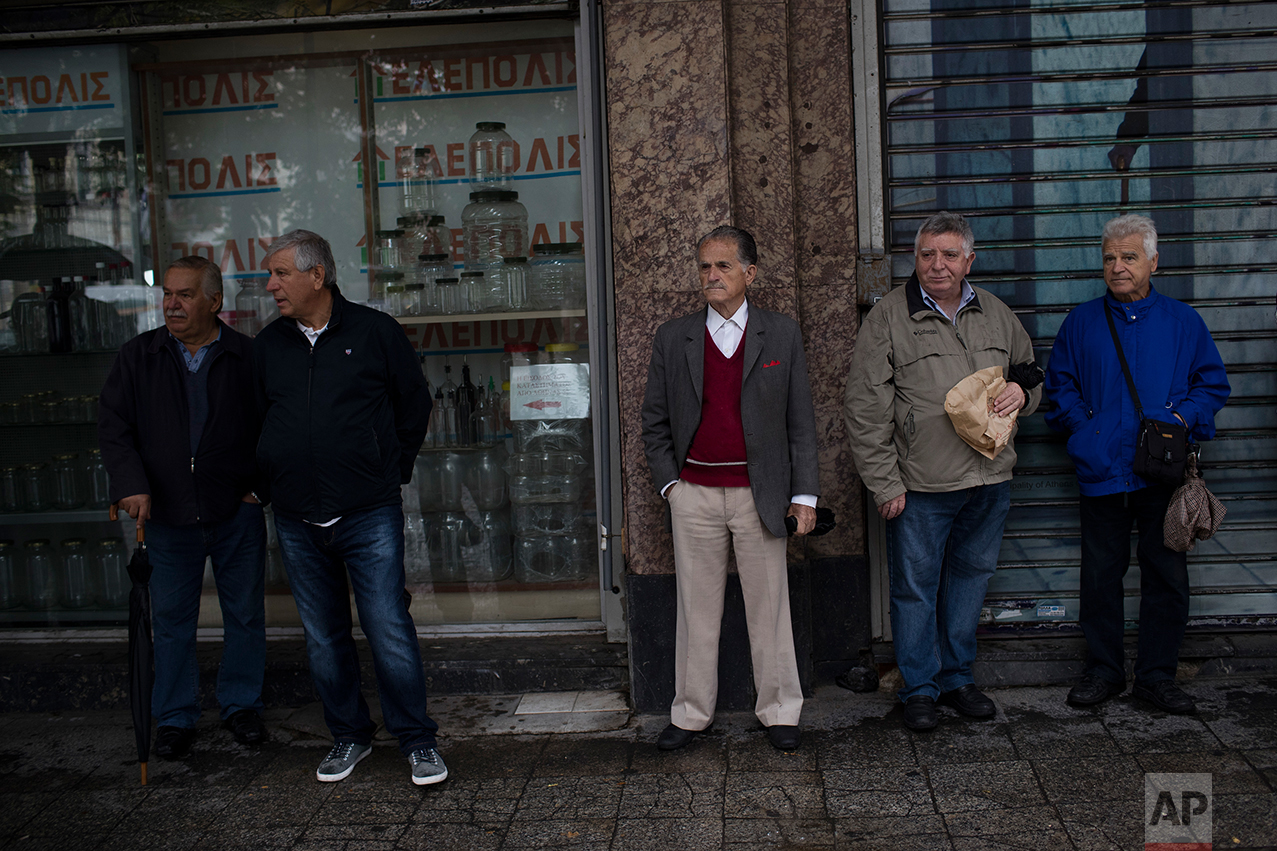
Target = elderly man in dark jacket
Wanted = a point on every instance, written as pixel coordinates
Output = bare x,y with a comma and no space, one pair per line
346,409
177,427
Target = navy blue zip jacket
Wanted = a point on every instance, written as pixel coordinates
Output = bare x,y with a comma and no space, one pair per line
1176,367
341,422
144,429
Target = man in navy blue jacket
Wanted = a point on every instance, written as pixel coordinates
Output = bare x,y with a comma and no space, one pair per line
177,426
1178,373
345,411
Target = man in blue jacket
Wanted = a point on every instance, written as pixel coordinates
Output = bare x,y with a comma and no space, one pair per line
1178,373
177,426
345,410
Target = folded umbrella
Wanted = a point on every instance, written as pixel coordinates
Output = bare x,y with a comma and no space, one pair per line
141,647
824,522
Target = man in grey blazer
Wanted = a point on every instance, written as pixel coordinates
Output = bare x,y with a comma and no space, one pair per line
730,437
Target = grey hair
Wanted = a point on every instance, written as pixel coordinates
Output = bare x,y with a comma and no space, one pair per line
311,250
210,274
945,222
746,248
1132,225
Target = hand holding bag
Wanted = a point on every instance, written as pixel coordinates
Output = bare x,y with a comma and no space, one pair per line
1162,448
1194,513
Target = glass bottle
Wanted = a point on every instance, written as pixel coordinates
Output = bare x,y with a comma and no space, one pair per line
97,484
492,157
10,490
113,583
58,306
515,271
41,591
31,321
247,301
76,586
439,238
465,407
436,432
68,482
81,313
36,493
9,596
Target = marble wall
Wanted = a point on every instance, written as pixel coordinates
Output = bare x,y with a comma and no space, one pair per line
726,111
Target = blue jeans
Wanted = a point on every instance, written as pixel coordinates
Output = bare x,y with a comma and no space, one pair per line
238,549
1106,556
942,550
368,547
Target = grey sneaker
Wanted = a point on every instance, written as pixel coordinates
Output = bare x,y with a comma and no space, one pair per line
341,760
427,766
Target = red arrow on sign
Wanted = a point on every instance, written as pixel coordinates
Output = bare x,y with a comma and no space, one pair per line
541,404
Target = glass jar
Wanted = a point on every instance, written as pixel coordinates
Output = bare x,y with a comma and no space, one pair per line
484,476
557,276
68,482
113,584
486,552
76,589
10,597
515,271
97,486
440,475
48,411
387,249
40,575
9,413
495,226
10,490
412,294
549,558
247,302
452,296
30,318
474,283
445,534
492,156
439,238
430,268
82,337
35,489
394,298
381,280
28,407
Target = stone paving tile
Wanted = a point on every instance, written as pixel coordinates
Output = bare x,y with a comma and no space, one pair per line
1265,762
663,834
494,756
1113,825
579,834
866,745
441,836
1230,773
872,793
707,753
774,794
1027,827
145,840
892,834
1139,728
1038,736
964,740
351,832
984,786
583,756
275,807
174,810
594,797
85,812
752,752
1090,778
471,801
19,809
1249,819
769,833
1241,714
647,796
357,812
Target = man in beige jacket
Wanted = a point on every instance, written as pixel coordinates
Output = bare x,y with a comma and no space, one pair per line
944,502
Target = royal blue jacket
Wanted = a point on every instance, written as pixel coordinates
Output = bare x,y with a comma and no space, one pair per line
1176,367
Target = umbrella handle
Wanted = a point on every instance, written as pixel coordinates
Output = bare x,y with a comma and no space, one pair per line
114,513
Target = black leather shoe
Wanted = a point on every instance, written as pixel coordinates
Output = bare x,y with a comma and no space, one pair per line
784,737
1166,696
969,701
672,738
173,742
1093,690
246,727
920,713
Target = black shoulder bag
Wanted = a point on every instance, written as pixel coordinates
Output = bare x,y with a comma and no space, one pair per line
1162,448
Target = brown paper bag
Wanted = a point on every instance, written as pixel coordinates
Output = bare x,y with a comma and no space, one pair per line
970,408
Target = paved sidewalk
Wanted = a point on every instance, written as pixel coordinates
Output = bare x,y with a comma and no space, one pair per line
1040,776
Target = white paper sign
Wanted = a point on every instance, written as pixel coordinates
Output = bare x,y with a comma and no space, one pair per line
552,391
56,89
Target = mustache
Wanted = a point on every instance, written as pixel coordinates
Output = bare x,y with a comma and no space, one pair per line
176,314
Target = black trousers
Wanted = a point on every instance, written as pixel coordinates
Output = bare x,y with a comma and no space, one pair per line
1106,556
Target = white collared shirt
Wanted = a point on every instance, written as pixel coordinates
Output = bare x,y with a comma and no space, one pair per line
727,333
967,294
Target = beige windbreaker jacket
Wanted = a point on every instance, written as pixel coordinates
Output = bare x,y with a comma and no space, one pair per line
907,358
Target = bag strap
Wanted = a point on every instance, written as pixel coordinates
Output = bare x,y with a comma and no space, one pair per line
1126,370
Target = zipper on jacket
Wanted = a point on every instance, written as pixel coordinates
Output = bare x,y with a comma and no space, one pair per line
310,429
195,490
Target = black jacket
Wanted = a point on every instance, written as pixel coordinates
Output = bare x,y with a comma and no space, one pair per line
342,422
144,429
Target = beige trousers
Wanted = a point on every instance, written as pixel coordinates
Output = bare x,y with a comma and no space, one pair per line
706,521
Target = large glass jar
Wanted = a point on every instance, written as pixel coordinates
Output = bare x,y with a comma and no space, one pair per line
557,276
9,595
495,225
36,492
10,490
394,299
387,244
31,321
76,589
453,298
113,583
41,585
486,552
381,279
68,482
411,305
475,284
415,172
430,268
492,156
97,485
515,271
438,239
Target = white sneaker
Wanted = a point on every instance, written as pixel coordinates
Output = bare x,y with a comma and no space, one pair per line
427,766
341,760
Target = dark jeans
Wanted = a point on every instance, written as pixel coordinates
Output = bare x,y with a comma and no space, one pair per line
1106,556
238,549
368,547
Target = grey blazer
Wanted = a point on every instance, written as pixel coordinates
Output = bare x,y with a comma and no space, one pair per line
775,406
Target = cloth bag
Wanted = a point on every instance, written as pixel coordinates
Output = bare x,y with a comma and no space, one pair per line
1194,513
969,405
